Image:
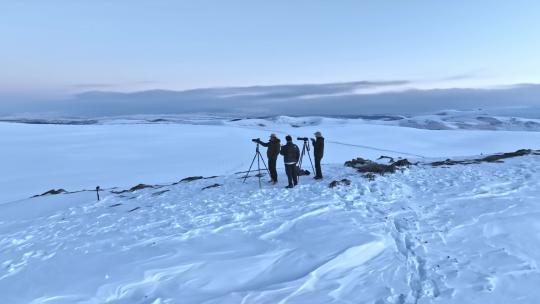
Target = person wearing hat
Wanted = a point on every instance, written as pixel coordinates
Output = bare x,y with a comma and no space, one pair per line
318,152
274,146
291,155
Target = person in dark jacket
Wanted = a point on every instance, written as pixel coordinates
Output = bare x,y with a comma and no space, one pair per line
272,153
318,153
291,155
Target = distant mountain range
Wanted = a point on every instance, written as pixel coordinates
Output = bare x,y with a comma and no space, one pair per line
310,99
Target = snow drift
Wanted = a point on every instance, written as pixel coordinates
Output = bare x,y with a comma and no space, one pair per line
421,235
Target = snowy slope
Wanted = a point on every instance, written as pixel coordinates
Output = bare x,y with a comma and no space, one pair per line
462,234
122,153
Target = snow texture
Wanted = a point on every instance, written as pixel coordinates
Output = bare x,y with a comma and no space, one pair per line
123,153
449,234
462,234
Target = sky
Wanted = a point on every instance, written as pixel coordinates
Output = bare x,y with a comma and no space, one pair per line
60,47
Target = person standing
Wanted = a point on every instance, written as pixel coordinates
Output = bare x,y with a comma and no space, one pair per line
291,155
318,153
274,146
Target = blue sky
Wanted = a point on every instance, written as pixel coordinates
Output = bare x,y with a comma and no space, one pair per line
65,46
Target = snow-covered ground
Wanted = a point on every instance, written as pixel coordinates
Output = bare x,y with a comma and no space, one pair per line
458,234
463,234
36,157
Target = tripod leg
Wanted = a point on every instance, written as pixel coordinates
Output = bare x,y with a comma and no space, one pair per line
312,167
302,156
265,166
249,170
259,168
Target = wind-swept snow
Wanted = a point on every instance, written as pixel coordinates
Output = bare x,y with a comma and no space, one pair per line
447,234
40,157
461,234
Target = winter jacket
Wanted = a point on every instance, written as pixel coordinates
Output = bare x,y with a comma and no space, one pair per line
274,146
318,147
290,152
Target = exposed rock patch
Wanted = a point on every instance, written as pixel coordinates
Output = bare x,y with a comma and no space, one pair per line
211,186
489,159
52,192
369,166
160,192
343,182
390,159
189,179
136,188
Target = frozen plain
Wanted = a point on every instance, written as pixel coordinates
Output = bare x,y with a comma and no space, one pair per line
462,234
121,153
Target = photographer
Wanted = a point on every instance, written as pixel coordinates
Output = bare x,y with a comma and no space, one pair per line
318,152
272,153
291,155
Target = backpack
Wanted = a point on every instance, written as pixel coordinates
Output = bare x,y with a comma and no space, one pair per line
302,172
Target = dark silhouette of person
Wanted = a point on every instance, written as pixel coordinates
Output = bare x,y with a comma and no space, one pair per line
274,146
318,153
291,155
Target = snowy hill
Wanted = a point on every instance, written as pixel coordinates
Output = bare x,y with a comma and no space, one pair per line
125,152
451,234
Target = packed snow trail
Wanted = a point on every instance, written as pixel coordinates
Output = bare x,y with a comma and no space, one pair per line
462,234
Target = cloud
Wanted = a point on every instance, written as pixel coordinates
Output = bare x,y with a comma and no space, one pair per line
303,90
98,85
463,76
327,99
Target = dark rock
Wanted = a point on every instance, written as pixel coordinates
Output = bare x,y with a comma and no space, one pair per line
190,179
116,205
370,167
390,159
140,187
211,186
343,182
449,162
52,192
490,159
135,188
159,192
498,157
370,176
402,163
136,208
376,168
357,162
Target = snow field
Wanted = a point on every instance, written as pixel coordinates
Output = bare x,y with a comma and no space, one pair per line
463,234
37,158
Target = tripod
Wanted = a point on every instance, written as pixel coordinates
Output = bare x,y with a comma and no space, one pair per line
304,149
259,158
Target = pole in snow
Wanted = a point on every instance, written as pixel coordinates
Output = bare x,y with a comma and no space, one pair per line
97,192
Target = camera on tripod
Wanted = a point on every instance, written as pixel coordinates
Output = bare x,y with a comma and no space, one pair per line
260,160
302,138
